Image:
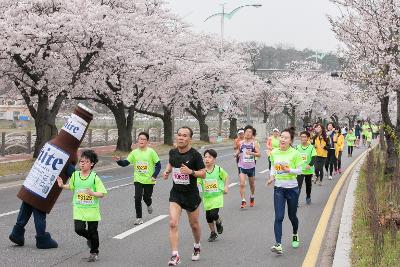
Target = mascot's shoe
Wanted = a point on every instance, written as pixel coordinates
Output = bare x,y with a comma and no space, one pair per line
17,235
45,242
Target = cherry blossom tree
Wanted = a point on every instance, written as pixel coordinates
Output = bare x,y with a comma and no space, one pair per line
370,29
46,46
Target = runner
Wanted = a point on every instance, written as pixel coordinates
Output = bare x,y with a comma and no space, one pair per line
186,165
236,146
364,130
308,154
350,140
87,188
320,142
331,159
286,165
213,188
357,131
339,145
368,137
247,165
375,131
272,143
146,167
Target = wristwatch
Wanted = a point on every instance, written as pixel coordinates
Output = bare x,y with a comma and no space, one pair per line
193,173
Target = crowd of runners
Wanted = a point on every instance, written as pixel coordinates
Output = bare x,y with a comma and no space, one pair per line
198,178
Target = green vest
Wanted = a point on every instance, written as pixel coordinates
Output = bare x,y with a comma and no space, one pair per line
80,199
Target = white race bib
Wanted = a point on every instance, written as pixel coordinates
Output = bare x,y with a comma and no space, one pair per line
247,158
180,178
142,167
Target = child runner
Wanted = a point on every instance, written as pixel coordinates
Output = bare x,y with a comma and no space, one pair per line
308,155
350,140
87,188
213,188
286,165
368,137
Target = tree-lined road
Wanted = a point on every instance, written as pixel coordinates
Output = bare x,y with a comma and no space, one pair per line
248,234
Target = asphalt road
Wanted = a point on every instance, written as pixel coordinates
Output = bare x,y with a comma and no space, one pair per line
246,241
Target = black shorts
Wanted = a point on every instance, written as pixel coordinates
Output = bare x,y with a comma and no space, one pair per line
188,201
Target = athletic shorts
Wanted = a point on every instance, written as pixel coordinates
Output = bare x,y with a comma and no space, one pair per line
189,201
249,172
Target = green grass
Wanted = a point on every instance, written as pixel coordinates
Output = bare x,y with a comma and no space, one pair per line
15,167
363,243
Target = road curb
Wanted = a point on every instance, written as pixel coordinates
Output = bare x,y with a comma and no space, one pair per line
311,258
344,240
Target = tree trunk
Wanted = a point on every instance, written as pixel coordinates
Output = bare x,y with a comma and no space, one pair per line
335,120
197,112
45,124
124,126
391,155
290,112
232,128
168,125
203,129
352,120
44,116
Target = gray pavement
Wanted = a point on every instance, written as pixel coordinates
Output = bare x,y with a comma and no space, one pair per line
248,234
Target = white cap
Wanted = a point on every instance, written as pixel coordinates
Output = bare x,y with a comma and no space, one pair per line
275,130
240,131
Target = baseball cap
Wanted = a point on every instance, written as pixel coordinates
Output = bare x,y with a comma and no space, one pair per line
275,130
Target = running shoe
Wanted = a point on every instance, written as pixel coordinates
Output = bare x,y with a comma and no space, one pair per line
175,260
330,177
138,221
277,248
295,241
219,226
252,202
93,257
150,209
340,171
196,254
308,201
243,204
213,237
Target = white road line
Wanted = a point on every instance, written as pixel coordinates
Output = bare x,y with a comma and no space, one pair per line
9,213
9,186
118,186
140,227
116,180
232,184
264,171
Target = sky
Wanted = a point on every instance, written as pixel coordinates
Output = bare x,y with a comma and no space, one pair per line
291,23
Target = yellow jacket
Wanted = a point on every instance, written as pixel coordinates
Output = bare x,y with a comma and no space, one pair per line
339,143
320,145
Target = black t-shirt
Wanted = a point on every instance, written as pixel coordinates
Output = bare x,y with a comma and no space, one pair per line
193,160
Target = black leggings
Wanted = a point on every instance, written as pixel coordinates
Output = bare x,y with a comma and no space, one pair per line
142,191
330,161
90,234
212,215
338,164
350,150
307,178
319,167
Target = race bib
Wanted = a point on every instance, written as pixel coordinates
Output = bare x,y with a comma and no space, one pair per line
84,199
247,158
280,166
142,167
304,157
211,186
180,178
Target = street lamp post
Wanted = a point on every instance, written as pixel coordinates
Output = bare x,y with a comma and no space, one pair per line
229,15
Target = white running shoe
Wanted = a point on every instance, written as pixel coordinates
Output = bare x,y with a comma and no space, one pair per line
138,221
330,177
196,254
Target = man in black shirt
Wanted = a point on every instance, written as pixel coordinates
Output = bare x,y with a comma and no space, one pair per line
186,165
